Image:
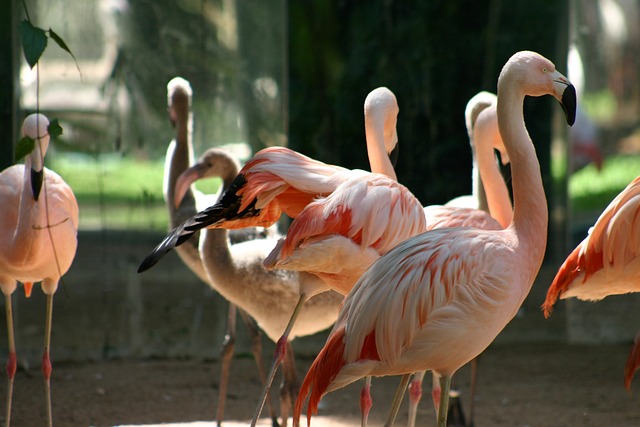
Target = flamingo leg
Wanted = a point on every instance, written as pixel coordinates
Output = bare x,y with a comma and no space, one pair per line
445,385
397,400
633,361
279,354
415,394
256,350
46,360
226,356
365,401
289,387
12,361
473,387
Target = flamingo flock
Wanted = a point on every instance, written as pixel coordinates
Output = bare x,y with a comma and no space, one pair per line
406,288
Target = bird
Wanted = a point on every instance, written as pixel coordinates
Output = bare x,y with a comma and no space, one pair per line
488,207
339,236
237,273
278,180
178,158
438,299
477,199
605,262
39,222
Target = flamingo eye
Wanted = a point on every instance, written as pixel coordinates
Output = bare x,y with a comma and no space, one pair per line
544,70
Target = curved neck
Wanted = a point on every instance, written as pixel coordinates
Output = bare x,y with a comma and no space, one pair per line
378,157
494,189
179,158
477,187
530,215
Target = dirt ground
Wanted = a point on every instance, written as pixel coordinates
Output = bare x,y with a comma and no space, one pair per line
519,385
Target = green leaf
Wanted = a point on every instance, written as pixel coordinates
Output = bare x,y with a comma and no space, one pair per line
24,147
55,130
56,38
34,42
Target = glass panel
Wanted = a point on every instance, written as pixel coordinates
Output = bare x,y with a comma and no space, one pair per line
605,141
114,109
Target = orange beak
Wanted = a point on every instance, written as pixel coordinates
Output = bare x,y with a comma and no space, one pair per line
28,286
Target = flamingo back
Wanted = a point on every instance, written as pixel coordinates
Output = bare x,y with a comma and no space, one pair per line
360,221
606,261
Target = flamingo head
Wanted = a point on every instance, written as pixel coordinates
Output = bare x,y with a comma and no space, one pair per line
178,98
381,109
542,78
36,127
215,162
474,107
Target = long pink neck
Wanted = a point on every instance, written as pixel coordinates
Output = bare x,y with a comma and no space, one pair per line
378,157
530,215
495,191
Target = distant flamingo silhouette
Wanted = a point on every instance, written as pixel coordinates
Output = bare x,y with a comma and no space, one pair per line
439,299
39,223
605,263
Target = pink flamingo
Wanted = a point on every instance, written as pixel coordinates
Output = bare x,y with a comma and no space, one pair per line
605,262
488,207
236,272
178,158
39,222
278,180
439,299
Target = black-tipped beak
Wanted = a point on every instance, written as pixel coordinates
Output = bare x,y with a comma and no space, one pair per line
394,154
37,177
569,104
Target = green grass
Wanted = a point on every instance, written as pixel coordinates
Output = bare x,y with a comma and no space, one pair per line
111,179
118,192
593,190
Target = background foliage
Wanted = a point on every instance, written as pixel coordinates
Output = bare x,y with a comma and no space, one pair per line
434,55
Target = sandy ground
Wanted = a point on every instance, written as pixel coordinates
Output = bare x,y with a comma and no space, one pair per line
519,385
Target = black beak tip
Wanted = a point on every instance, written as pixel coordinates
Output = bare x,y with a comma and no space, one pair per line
569,104
143,266
37,177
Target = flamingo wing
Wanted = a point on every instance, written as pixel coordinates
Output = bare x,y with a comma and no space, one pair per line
451,216
362,219
275,180
611,246
434,272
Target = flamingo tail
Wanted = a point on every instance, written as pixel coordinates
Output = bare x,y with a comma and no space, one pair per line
320,375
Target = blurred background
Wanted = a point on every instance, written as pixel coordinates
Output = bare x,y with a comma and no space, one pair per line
296,73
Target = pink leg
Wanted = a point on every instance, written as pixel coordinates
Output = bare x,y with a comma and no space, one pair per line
281,348
473,388
256,350
46,361
12,363
226,354
415,394
365,400
289,387
632,364
436,392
